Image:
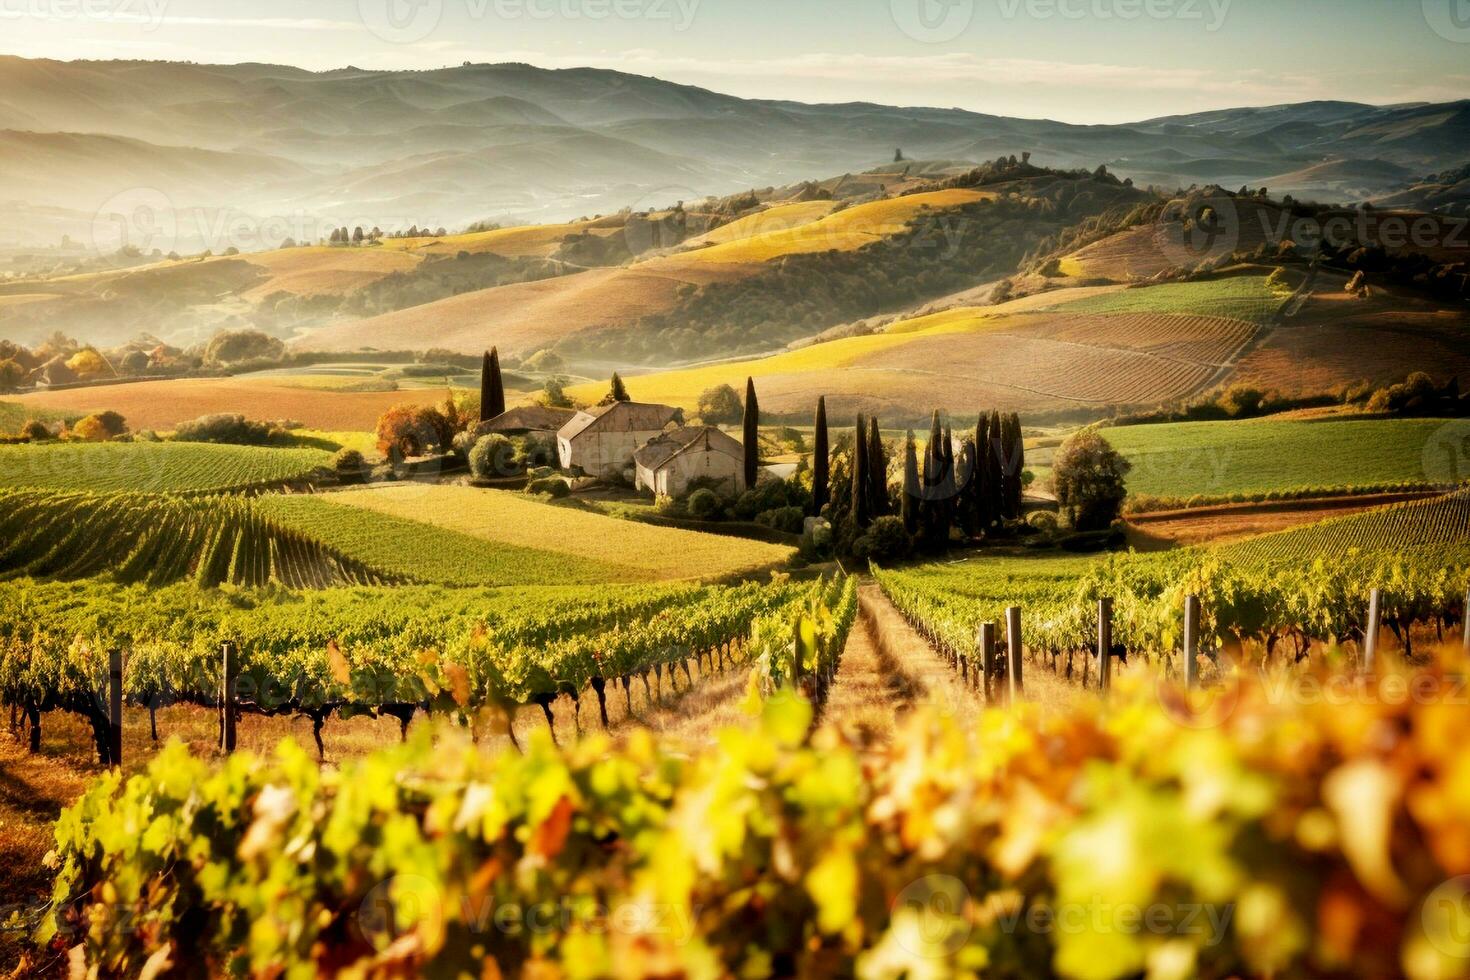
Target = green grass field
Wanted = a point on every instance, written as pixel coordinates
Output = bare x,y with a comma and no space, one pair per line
152,467
1219,459
1239,297
426,553
13,415
464,536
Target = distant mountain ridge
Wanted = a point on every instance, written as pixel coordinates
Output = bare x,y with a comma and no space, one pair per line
514,142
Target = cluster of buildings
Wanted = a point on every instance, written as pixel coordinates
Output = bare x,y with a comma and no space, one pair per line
645,444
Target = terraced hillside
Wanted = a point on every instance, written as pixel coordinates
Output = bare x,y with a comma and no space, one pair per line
1058,352
159,539
1427,526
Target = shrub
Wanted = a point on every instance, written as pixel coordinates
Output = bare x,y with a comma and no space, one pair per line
349,465
1042,520
885,540
229,428
414,430
231,348
36,431
100,427
703,504
494,456
555,486
788,519
12,374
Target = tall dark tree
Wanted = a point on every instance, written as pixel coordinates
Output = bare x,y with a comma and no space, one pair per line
967,509
1010,438
1018,464
983,492
934,517
492,388
821,459
949,488
862,514
877,471
618,392
996,464
912,500
751,434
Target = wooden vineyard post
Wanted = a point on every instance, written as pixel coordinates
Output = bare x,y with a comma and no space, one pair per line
33,719
229,676
1104,645
1465,624
1370,636
1191,641
987,645
1013,651
114,707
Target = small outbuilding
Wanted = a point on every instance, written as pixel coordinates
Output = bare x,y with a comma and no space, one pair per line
528,420
601,441
669,464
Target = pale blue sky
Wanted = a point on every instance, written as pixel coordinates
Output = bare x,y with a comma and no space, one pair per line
1076,60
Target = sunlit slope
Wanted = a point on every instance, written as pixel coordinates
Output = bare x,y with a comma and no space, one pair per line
1083,348
845,230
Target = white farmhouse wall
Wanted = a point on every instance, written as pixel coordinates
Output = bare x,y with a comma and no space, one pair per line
603,454
674,476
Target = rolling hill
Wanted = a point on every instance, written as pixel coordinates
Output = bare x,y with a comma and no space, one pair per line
512,141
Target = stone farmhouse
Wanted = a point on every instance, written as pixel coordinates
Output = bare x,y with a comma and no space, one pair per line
670,463
650,446
601,441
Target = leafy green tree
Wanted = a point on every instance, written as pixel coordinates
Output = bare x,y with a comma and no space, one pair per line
1088,476
720,406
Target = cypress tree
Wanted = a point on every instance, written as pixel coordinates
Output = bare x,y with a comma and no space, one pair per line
968,518
997,469
618,392
877,471
935,514
860,484
485,388
949,489
821,459
752,434
911,502
1011,496
981,478
1019,463
492,387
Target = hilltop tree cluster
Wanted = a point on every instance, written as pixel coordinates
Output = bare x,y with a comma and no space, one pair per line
802,294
